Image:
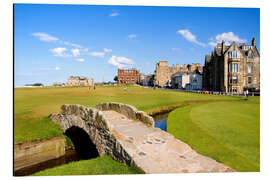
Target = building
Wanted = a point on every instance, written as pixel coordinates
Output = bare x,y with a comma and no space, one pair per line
195,81
128,76
232,68
187,80
163,72
80,81
58,84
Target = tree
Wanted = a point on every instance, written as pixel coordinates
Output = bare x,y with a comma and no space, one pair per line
115,78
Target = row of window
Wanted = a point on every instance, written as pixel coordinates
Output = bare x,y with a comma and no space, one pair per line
234,80
234,54
235,68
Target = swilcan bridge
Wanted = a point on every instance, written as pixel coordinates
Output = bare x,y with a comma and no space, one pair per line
129,136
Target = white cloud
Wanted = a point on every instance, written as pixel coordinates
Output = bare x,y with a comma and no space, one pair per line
120,62
75,52
48,38
107,50
175,49
49,69
114,14
190,37
80,59
97,54
60,52
213,44
132,36
227,37
45,37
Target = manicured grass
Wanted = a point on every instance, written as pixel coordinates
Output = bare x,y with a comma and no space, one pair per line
229,132
33,105
100,166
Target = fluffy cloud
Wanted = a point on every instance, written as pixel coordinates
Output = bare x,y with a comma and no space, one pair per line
97,54
49,69
60,52
80,59
75,52
45,37
120,62
114,14
190,37
227,37
132,36
107,50
175,49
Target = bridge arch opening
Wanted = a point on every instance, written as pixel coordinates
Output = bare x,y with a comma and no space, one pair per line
82,142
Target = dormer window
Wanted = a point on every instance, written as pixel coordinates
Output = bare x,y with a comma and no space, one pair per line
246,47
234,54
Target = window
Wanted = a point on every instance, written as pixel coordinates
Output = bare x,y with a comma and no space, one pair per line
249,80
246,47
233,67
234,54
234,80
250,55
249,69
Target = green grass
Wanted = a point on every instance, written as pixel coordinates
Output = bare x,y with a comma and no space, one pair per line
104,165
229,132
33,105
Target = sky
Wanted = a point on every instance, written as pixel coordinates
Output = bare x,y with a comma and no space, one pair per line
53,42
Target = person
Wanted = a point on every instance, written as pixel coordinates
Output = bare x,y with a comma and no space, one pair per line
94,87
247,93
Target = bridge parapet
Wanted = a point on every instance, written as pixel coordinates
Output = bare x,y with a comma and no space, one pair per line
112,129
128,111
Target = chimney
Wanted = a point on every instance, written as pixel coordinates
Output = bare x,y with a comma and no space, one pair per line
223,46
254,42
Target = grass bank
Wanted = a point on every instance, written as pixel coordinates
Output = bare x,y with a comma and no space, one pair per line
229,132
33,105
104,165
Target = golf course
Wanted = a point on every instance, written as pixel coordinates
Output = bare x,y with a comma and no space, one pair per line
226,128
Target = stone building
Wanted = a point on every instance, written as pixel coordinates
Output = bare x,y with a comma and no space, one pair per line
146,80
80,81
232,68
58,84
187,80
163,72
128,76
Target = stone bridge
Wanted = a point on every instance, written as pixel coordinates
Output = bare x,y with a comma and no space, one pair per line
129,136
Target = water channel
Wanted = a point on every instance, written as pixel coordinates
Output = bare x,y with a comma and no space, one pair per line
72,155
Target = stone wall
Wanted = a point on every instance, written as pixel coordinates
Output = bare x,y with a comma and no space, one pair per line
98,128
28,154
128,111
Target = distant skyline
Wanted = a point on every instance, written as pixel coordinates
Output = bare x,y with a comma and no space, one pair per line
53,42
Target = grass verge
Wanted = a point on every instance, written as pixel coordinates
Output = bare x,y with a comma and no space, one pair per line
104,165
229,132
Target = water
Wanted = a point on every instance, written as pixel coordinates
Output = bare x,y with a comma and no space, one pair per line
69,156
161,121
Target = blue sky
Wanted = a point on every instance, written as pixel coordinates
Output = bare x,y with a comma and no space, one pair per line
53,42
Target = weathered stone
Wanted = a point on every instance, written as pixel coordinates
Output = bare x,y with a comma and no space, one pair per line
127,110
135,143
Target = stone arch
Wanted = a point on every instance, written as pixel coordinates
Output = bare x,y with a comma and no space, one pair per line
82,142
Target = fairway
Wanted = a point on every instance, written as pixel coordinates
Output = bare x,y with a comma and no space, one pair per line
228,132
33,105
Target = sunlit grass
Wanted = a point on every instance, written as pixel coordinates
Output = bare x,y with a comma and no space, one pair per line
229,132
33,105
